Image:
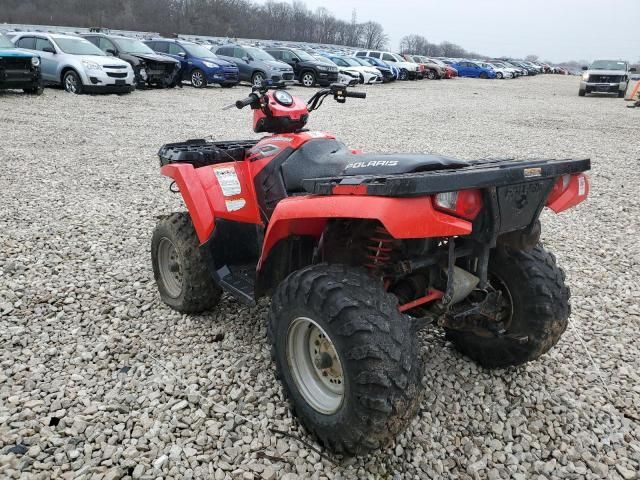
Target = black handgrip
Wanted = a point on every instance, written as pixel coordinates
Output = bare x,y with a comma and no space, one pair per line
246,102
356,94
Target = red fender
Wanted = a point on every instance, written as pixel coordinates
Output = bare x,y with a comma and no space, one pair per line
194,196
577,191
402,217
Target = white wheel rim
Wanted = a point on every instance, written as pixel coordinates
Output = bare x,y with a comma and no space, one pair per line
170,267
257,80
315,365
70,83
307,80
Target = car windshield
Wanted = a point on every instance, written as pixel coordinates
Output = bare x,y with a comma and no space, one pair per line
131,45
304,56
258,54
196,50
608,65
324,60
398,57
78,46
350,61
360,62
5,42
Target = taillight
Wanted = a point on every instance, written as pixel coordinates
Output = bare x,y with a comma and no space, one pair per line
568,191
465,203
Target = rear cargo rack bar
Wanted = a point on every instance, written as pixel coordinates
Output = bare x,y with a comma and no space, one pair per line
479,174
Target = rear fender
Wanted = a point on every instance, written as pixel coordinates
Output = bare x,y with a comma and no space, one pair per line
194,196
403,218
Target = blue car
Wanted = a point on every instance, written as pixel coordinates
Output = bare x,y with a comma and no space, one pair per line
387,71
19,69
199,65
466,68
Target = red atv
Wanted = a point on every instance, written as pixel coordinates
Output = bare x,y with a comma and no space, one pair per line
358,252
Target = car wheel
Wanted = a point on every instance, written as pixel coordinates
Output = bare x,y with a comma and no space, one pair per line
308,79
621,93
72,83
499,75
403,74
483,75
258,79
431,75
198,78
582,92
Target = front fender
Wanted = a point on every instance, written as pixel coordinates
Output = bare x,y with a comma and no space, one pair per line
402,217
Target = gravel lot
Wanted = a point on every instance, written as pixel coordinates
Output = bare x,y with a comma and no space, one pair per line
98,377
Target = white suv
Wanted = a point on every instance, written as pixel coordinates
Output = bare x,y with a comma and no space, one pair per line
408,70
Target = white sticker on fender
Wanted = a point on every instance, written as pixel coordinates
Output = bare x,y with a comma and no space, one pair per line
228,181
581,185
233,205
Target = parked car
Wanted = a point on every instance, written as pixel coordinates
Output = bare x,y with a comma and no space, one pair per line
307,70
346,76
500,72
407,70
498,65
198,65
605,76
449,71
470,69
19,69
256,65
367,74
77,64
386,70
150,68
432,70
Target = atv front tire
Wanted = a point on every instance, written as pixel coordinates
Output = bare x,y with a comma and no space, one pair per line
346,357
183,279
539,301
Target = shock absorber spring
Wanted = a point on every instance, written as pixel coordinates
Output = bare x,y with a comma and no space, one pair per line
379,248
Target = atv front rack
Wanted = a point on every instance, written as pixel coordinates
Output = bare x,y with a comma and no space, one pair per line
201,152
479,174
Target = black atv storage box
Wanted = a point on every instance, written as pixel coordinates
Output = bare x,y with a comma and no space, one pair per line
201,152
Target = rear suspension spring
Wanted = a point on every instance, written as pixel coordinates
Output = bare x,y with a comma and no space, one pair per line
379,248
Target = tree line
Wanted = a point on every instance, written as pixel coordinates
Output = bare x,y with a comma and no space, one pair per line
419,45
223,18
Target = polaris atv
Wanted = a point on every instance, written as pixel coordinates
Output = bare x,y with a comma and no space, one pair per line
360,251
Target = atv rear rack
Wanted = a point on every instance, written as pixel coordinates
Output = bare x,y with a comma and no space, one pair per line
479,174
201,152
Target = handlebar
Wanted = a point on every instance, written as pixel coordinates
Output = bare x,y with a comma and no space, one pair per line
356,94
240,104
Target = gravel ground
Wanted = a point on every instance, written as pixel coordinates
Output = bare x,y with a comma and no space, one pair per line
99,378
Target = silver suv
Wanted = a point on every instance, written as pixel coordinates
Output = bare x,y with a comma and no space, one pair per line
605,76
256,65
77,64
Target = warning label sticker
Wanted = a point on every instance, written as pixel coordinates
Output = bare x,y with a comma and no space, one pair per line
233,205
228,181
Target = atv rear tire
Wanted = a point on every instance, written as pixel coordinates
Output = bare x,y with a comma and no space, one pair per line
539,309
183,279
346,356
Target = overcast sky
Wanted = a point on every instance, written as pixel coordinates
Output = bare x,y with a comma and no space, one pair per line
555,30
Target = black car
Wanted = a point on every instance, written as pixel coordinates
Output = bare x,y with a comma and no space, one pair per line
19,68
307,70
149,67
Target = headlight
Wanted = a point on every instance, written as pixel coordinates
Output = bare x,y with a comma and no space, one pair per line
91,65
323,69
35,61
209,64
585,76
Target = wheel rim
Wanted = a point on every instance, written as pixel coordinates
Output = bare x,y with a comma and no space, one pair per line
403,75
197,79
315,365
257,80
431,75
499,75
307,80
71,83
170,267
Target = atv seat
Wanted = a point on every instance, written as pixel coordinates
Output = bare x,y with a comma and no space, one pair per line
330,158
